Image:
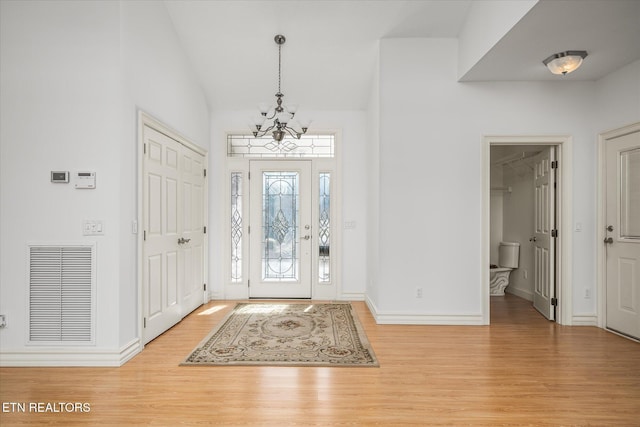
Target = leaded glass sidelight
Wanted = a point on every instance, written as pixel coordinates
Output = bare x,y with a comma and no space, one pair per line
236,227
280,226
324,228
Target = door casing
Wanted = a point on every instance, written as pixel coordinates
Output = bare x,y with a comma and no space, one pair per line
333,290
564,207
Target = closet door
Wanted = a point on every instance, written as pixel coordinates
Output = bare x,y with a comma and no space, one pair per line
162,270
173,253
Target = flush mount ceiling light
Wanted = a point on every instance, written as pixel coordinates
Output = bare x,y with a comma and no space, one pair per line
278,120
565,62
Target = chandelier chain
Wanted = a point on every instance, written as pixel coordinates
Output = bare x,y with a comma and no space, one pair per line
279,65
277,122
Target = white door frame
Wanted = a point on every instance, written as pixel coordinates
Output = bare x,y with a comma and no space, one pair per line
145,119
319,291
564,207
601,256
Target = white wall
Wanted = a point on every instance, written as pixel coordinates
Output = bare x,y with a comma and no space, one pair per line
72,74
495,212
618,98
158,80
486,23
431,128
353,149
61,102
372,156
518,224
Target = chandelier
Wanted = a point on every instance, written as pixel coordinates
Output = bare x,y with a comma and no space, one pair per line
278,120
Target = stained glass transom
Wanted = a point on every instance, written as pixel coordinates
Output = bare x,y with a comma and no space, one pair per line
308,146
324,228
236,227
280,229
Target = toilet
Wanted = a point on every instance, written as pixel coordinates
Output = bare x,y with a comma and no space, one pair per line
508,258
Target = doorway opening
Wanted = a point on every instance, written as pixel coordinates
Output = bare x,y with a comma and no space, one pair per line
526,212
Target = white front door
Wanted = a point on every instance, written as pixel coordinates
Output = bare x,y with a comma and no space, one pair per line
281,232
623,234
173,248
544,244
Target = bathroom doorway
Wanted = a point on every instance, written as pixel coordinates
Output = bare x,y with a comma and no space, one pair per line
524,207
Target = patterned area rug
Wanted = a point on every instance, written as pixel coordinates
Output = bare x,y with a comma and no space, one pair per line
283,334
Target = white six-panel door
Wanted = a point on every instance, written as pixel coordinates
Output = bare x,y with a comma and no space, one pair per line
173,248
622,239
544,245
192,250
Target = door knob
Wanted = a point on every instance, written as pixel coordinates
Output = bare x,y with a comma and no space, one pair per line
533,239
609,227
182,240
608,240
307,237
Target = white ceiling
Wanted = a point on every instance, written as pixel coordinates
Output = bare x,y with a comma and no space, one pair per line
329,58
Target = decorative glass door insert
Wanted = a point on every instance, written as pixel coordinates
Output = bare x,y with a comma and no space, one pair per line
280,226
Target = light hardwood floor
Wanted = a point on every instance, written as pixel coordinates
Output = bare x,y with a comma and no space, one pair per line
521,370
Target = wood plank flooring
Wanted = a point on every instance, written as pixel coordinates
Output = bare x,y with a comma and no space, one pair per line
521,370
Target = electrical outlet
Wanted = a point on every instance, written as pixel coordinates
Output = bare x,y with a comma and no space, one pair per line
3,321
525,273
418,292
587,293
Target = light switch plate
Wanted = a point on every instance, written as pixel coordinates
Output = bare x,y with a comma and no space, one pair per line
92,227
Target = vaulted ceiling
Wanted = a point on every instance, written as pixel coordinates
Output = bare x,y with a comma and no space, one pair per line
329,58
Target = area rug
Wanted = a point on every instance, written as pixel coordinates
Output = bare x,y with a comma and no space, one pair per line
283,334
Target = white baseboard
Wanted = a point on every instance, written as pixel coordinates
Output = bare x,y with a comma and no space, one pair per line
584,320
351,296
70,356
519,293
389,318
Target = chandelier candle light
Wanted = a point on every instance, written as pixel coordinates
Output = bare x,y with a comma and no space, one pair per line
278,120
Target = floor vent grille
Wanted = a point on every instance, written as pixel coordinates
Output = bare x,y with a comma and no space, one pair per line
61,288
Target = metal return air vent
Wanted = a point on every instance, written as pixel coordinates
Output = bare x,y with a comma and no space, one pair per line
61,293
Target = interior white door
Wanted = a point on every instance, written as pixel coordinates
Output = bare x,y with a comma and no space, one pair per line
192,246
281,232
161,216
544,243
173,248
623,234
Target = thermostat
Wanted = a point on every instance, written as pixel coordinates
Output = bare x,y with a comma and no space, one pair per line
85,180
59,177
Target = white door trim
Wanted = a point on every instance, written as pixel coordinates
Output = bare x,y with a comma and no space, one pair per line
601,267
145,119
564,314
329,291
